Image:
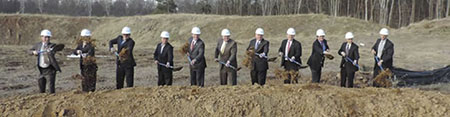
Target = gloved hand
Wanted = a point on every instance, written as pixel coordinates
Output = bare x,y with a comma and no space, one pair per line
262,55
292,59
343,53
167,64
227,64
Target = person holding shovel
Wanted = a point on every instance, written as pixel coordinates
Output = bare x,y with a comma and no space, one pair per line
349,63
383,50
196,57
259,61
164,60
46,61
290,52
317,59
125,60
86,50
226,49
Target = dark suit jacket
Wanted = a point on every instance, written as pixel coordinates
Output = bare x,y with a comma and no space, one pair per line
388,53
353,54
260,64
317,57
295,50
51,55
229,53
129,44
197,54
88,49
165,56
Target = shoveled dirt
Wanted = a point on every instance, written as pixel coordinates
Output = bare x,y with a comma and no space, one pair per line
279,100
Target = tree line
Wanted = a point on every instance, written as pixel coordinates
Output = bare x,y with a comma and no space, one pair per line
394,13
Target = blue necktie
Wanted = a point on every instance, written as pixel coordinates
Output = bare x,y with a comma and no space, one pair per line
256,45
323,46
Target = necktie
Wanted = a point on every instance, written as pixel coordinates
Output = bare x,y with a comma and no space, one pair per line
380,48
323,46
288,47
256,45
192,45
122,42
162,48
222,48
347,49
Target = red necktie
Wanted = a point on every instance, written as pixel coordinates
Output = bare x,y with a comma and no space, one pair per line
289,46
192,45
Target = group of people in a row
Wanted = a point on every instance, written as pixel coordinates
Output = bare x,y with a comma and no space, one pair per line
225,54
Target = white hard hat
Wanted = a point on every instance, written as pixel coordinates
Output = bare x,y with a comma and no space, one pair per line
349,35
46,32
320,32
291,31
226,32
384,31
126,30
165,34
85,33
259,31
196,31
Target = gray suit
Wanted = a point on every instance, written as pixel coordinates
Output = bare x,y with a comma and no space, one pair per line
229,54
197,53
50,71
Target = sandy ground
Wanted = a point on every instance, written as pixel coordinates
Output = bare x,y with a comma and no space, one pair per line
422,46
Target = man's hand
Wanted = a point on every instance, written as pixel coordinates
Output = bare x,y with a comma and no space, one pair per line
355,62
380,62
343,53
216,60
292,59
262,55
35,53
156,62
193,62
112,50
79,51
281,54
373,52
227,64
167,64
326,52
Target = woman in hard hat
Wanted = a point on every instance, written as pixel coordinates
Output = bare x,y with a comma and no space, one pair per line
290,52
317,58
196,56
225,54
164,59
125,66
259,63
383,50
349,63
88,67
46,61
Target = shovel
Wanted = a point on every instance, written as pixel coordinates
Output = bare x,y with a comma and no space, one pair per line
230,66
171,67
298,63
268,59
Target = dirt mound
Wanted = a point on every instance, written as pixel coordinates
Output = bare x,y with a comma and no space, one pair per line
284,100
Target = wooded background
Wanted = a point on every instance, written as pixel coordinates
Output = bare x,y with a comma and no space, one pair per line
394,13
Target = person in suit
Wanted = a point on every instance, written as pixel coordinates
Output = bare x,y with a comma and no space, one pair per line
196,56
164,55
125,66
85,49
259,62
227,50
46,61
383,49
317,58
290,51
350,56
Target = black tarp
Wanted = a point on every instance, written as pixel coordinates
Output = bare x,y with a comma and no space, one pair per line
405,77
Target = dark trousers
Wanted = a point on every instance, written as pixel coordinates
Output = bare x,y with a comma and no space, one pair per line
289,66
347,77
226,73
164,76
198,77
315,73
258,77
47,73
121,73
376,71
